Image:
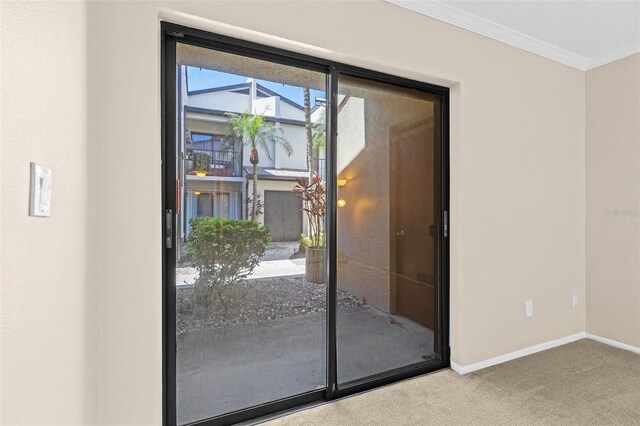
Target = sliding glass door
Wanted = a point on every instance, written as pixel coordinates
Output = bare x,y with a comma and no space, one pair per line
388,227
250,320
305,228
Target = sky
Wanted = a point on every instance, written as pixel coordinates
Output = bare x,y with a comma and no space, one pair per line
202,78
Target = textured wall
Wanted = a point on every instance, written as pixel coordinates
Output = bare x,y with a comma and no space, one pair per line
363,223
613,200
49,272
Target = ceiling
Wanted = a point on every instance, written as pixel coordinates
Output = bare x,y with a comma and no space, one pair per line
581,34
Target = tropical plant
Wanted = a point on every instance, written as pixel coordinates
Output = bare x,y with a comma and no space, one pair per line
254,132
312,192
306,96
201,161
306,241
223,251
316,134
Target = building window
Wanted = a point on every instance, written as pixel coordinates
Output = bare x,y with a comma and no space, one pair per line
213,204
208,142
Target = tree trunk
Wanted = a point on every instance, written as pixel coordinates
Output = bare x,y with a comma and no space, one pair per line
254,209
307,126
254,159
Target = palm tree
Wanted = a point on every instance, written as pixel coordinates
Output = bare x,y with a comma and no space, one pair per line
306,95
254,132
316,134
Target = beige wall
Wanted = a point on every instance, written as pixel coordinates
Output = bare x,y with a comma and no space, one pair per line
49,335
613,200
517,228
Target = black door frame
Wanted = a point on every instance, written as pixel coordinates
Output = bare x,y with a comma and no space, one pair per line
174,33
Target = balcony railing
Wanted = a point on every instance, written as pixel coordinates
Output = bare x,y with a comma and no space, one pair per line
202,162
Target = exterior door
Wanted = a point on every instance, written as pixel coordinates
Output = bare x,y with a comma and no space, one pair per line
388,229
283,215
413,222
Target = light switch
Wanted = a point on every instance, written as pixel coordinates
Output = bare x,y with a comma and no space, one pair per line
40,191
528,308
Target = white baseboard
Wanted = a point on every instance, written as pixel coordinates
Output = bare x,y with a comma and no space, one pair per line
464,369
613,343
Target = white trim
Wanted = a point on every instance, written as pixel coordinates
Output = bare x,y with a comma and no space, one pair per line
614,343
454,16
464,369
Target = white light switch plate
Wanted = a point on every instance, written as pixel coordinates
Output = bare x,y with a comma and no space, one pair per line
40,191
528,309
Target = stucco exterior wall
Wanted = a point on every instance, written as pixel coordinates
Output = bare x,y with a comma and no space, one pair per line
363,223
297,137
221,101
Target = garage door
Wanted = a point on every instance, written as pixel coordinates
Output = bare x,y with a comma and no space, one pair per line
282,215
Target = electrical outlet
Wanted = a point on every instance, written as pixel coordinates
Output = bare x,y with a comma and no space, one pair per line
574,300
528,309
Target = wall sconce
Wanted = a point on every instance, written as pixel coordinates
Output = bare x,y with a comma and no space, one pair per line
341,183
197,192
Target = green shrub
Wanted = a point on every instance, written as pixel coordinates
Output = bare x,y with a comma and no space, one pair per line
304,240
307,241
223,251
201,161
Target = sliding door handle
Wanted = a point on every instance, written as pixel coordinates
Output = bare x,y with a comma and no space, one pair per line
168,228
446,224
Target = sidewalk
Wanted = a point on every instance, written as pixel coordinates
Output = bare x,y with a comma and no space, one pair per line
265,269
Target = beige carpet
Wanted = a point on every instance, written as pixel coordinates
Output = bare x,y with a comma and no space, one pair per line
582,383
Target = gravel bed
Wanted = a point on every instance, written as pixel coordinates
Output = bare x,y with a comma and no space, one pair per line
259,300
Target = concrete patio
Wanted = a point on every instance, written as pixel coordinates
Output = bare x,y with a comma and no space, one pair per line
227,369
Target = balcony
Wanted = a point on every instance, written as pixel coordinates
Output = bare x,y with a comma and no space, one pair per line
201,162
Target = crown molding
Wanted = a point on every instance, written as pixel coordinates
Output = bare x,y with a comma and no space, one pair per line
454,16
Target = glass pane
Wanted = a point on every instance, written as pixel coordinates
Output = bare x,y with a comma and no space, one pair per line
221,206
205,203
251,293
387,228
